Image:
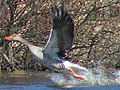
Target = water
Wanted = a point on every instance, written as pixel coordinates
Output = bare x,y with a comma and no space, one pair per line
39,87
56,81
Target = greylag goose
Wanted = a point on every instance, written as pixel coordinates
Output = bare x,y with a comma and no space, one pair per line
60,40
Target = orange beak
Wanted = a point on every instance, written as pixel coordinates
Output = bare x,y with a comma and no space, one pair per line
77,76
8,38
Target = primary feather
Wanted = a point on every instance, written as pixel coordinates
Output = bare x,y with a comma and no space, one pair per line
62,34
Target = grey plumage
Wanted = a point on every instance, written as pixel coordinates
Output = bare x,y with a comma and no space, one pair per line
60,39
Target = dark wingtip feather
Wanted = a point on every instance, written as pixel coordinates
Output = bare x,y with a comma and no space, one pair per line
64,26
57,11
59,14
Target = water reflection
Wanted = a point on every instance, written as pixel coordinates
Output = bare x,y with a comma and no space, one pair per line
24,78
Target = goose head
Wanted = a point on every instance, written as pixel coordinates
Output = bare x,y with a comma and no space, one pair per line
16,37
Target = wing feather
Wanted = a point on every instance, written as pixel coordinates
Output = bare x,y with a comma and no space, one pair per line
62,34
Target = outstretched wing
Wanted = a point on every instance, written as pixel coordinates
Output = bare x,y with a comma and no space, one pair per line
61,36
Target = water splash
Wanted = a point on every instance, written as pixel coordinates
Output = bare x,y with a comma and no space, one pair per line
68,80
95,76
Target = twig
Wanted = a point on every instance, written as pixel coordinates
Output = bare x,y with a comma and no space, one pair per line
6,57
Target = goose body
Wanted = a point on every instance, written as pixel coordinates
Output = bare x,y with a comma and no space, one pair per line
60,40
